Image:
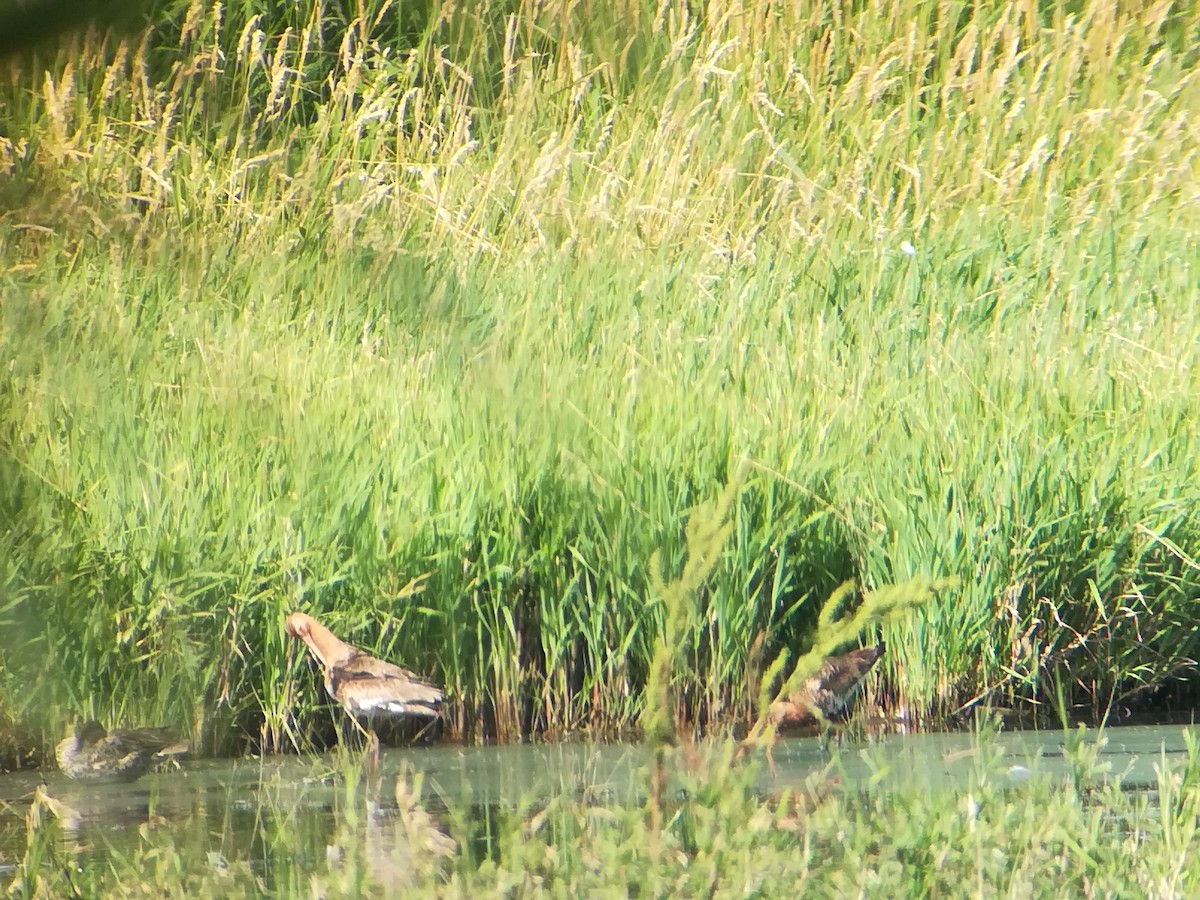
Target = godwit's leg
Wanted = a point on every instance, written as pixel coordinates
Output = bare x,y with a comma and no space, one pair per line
373,752
831,739
372,747
370,754
425,728
357,724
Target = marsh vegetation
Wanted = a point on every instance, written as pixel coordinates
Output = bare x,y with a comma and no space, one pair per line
607,363
442,320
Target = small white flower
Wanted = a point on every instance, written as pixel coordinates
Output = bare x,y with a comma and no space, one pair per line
907,249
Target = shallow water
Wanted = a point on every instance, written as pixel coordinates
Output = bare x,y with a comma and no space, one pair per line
240,806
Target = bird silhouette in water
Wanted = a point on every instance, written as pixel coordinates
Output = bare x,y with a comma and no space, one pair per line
364,685
117,755
826,696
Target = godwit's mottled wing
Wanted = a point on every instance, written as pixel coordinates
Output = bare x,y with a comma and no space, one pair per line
369,685
842,674
827,693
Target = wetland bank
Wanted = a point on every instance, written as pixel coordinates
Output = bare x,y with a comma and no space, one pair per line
442,321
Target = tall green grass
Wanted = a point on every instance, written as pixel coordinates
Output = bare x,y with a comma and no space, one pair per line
439,326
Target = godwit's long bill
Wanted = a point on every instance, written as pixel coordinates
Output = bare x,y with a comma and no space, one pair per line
361,683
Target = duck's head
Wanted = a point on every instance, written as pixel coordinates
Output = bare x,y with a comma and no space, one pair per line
89,732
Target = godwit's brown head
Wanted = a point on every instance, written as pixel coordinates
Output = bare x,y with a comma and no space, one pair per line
328,648
302,626
298,625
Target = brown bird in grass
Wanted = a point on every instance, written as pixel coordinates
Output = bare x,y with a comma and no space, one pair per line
117,755
826,696
363,685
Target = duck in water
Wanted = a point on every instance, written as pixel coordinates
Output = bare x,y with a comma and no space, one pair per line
361,683
117,755
826,696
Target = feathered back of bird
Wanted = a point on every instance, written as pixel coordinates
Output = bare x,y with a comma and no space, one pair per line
827,693
842,674
369,685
